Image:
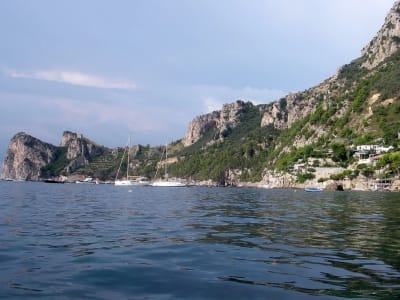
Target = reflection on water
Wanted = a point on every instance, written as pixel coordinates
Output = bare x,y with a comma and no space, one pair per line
102,242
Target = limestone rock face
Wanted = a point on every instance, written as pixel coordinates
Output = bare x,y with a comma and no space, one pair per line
283,113
386,42
25,157
79,146
224,119
79,150
198,126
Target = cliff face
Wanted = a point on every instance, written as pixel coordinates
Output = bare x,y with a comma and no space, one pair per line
79,150
224,119
77,146
283,113
359,104
26,156
386,42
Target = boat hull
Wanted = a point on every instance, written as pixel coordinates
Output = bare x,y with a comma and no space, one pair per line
313,190
168,184
129,183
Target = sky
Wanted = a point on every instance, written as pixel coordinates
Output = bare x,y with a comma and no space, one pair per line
108,69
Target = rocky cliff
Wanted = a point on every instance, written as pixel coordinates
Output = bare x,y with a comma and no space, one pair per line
79,150
220,121
359,104
386,42
29,158
77,145
26,156
338,92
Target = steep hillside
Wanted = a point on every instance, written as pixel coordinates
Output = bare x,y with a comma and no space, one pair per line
305,136
359,104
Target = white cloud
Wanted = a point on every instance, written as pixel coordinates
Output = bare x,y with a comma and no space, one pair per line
74,78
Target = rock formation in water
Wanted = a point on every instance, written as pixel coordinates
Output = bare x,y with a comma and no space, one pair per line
26,156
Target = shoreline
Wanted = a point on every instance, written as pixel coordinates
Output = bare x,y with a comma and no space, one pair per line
342,185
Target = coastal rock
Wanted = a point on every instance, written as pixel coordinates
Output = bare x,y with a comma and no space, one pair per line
198,126
273,179
221,121
79,150
79,146
283,113
26,156
386,42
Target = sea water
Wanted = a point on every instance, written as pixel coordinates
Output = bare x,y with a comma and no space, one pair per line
70,241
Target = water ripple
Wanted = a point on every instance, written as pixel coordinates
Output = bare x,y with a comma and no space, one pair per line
103,242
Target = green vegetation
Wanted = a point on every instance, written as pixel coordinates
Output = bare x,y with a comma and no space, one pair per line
353,71
245,149
350,174
57,166
301,178
391,162
343,114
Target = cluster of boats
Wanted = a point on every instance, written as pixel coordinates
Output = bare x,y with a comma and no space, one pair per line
143,181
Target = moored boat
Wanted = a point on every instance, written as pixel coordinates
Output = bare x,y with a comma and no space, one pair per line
312,190
166,182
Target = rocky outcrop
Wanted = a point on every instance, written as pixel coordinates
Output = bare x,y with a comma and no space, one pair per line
198,126
25,157
225,119
77,146
79,150
386,42
283,113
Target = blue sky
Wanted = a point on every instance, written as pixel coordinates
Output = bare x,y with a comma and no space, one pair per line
107,68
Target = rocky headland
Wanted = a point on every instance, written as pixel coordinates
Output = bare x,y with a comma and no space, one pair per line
342,133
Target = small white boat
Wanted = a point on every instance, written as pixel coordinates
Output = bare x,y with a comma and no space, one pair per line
129,180
132,182
123,182
166,182
312,190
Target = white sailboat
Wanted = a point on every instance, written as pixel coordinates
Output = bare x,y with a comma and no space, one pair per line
166,182
128,180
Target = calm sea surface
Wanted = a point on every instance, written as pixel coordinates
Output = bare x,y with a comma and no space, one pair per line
104,242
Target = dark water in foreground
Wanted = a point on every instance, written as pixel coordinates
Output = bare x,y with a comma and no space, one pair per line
106,242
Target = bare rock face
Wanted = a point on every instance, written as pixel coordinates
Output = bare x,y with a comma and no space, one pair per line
198,126
25,157
79,146
224,119
283,113
386,42
79,150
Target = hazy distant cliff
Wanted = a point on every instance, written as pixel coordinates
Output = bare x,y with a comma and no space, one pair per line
29,158
26,156
219,121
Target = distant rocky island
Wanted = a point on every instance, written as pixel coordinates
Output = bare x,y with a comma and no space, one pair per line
342,133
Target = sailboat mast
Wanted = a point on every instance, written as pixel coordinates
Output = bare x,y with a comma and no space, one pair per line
166,161
127,166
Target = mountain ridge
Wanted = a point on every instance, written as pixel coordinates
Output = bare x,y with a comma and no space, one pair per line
316,128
